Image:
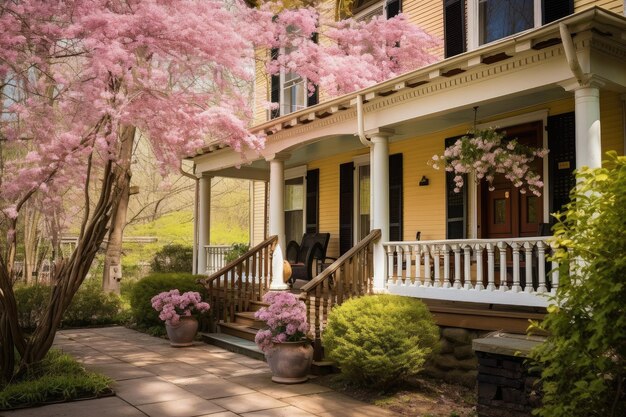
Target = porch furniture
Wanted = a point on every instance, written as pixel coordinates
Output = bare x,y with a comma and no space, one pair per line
301,256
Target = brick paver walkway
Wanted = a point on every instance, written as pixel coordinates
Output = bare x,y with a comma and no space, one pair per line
154,379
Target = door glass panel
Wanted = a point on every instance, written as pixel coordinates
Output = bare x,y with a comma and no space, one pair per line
364,201
499,210
294,209
531,209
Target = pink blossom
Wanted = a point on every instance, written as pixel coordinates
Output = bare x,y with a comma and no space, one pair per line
285,318
172,305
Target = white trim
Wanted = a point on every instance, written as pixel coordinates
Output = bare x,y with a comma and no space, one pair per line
365,12
539,115
295,172
359,161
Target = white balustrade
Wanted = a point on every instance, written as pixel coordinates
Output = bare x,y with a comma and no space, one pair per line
465,270
215,257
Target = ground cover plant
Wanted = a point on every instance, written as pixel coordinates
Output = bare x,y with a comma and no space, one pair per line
584,359
379,340
58,377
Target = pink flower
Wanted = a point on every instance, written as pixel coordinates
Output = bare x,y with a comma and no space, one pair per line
285,317
172,305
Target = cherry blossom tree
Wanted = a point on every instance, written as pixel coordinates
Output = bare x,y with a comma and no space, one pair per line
80,78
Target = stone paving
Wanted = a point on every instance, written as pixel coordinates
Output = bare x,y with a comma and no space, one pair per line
154,379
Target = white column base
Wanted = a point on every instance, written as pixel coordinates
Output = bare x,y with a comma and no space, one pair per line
277,282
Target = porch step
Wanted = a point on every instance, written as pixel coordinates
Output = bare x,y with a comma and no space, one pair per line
247,318
256,305
238,330
234,344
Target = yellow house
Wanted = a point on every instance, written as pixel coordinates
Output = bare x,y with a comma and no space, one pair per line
551,72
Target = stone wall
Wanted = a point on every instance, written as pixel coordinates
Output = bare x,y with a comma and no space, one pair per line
456,362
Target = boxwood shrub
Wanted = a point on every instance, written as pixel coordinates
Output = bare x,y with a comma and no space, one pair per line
378,340
142,292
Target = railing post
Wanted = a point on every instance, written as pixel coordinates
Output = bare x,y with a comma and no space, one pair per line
541,267
478,249
457,266
491,267
516,287
528,260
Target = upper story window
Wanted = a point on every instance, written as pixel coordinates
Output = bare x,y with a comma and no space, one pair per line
290,91
490,20
365,10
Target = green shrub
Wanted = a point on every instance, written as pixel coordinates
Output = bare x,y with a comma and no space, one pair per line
92,306
142,292
236,251
32,301
173,258
378,340
584,359
57,378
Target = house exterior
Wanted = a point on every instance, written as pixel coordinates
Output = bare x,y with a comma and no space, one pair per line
552,73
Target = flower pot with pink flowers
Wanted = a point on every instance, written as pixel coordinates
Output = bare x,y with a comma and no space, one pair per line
177,311
288,352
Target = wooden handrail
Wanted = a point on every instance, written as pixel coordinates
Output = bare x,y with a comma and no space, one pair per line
232,264
349,276
327,273
242,281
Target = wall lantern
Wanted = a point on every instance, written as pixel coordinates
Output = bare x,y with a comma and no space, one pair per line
424,181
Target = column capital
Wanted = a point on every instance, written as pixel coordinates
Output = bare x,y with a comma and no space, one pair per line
278,156
380,132
590,82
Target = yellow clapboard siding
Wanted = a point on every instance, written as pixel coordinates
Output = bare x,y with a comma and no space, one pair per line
611,122
616,6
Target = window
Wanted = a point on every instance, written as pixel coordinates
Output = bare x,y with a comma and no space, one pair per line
501,18
295,192
490,20
365,10
290,91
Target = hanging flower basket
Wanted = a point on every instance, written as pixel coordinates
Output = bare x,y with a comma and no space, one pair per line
486,153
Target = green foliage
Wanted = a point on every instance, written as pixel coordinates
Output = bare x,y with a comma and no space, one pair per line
142,292
584,359
378,340
173,258
57,378
92,306
236,251
32,301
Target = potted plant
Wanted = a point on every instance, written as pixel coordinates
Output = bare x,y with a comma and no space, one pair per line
288,352
176,310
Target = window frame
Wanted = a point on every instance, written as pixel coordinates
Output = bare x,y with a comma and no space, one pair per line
290,174
473,23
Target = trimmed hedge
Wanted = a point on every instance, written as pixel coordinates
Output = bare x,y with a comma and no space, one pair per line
142,292
90,306
173,258
378,340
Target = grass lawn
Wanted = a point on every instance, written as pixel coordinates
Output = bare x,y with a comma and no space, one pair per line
57,378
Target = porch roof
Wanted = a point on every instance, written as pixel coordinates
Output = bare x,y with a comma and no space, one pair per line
444,75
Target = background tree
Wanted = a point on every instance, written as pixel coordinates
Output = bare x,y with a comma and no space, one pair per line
78,76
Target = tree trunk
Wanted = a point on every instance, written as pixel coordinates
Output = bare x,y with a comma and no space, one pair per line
112,274
31,240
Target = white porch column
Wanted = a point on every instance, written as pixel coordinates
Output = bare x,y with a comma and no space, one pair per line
587,111
379,193
277,197
204,222
588,142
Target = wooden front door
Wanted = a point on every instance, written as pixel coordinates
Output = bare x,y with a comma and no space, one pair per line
507,213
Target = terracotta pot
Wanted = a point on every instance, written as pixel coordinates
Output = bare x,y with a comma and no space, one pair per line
290,361
182,333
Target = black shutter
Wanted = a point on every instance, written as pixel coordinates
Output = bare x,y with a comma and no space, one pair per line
454,27
275,90
394,8
456,204
313,99
346,206
556,9
561,159
312,200
395,197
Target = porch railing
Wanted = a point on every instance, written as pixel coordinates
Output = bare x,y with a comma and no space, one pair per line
215,257
349,276
494,271
246,279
